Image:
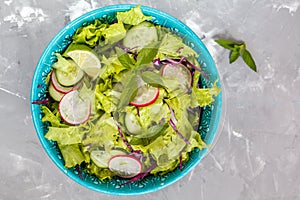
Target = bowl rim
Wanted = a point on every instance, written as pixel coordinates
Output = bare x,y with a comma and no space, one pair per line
87,17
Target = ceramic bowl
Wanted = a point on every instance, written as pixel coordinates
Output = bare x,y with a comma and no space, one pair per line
210,116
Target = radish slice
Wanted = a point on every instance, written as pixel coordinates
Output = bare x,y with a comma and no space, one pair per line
179,72
145,96
73,109
125,166
57,86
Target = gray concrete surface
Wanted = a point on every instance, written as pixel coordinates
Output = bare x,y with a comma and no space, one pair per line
256,156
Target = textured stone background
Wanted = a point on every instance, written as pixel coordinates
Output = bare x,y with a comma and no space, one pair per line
257,152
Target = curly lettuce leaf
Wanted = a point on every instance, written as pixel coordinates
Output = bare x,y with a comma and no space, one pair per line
104,134
50,116
72,155
111,66
205,96
99,34
172,46
65,136
114,33
134,16
90,34
104,102
101,173
64,65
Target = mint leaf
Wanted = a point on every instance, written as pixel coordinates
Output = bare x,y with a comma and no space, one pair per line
237,50
227,44
234,55
147,54
152,78
249,60
124,58
129,90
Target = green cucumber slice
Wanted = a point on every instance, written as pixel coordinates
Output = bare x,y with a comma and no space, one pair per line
70,78
56,95
101,157
140,36
132,124
57,86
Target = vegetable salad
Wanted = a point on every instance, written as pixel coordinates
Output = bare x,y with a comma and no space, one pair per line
124,99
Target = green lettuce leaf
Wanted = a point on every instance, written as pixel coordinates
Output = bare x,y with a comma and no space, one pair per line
205,96
49,116
90,34
104,134
114,33
134,16
99,34
72,155
173,46
111,67
65,136
63,64
104,102
101,173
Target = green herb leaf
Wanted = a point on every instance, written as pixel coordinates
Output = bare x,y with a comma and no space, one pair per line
227,44
124,58
152,78
249,60
238,49
147,54
234,55
129,90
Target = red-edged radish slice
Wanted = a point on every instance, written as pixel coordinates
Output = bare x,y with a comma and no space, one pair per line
57,86
73,109
145,96
179,72
125,166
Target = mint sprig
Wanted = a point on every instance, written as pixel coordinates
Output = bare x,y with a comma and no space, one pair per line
238,49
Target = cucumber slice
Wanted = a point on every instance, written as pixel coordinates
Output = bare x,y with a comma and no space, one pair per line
56,95
140,36
132,124
73,109
71,78
101,157
58,87
125,166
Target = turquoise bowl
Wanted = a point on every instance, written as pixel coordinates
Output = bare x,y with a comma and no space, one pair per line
210,116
